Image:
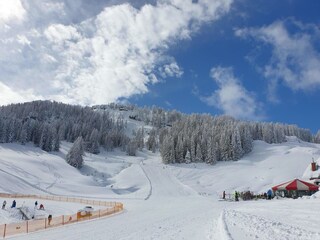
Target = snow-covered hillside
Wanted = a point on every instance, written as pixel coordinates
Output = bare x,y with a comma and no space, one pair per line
169,201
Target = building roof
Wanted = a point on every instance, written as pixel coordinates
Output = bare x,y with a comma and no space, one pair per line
296,184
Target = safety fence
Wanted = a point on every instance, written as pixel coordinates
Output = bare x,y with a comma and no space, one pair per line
40,224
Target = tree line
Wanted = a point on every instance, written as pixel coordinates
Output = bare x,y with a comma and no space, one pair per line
180,138
46,123
204,138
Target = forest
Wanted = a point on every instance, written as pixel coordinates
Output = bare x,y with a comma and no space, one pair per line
180,138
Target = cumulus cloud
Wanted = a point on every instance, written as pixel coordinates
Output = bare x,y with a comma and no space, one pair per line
295,59
11,96
115,53
170,70
11,11
231,97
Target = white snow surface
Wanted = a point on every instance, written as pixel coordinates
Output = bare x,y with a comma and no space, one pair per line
167,201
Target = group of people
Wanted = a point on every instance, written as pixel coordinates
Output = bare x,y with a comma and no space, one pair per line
247,195
13,205
236,195
41,207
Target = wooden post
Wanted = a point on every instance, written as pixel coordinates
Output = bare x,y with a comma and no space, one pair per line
27,226
4,231
62,219
45,223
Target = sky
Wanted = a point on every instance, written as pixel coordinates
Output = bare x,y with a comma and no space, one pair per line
253,60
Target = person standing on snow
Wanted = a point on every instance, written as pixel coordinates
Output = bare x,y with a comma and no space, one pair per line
269,193
14,203
236,196
35,204
4,204
49,219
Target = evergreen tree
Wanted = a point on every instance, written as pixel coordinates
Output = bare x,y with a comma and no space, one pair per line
152,142
198,154
76,153
167,150
93,144
23,134
56,142
132,147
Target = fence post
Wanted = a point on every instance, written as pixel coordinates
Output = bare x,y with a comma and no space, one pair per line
27,226
4,231
62,219
45,223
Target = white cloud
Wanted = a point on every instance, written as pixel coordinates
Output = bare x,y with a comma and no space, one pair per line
231,97
13,96
295,60
170,70
58,33
115,54
11,10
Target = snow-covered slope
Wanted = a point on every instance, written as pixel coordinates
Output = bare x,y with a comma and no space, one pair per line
170,201
266,166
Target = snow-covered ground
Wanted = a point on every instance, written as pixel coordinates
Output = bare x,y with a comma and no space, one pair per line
169,201
10,215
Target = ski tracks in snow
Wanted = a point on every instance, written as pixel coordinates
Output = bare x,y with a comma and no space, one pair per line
223,230
26,182
150,184
238,225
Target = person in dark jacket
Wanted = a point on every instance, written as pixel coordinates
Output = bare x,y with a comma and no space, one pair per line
269,193
13,204
236,196
49,219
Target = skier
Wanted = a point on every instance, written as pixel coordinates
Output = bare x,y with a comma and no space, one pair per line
35,204
49,219
13,204
4,204
41,207
224,195
236,195
269,193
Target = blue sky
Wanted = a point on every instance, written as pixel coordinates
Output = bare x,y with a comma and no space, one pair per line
254,60
217,45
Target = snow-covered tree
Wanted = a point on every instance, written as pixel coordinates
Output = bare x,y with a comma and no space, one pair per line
131,148
76,153
167,150
93,143
152,141
23,134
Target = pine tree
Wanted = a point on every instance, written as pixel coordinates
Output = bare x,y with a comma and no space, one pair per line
188,157
236,145
152,142
199,157
167,150
93,145
23,134
46,138
56,142
132,147
76,153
